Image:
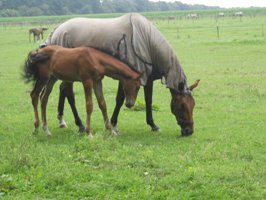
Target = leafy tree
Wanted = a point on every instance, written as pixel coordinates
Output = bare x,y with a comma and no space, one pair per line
61,7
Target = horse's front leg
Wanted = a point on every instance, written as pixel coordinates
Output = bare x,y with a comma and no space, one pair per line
148,89
88,84
66,91
102,105
120,97
44,100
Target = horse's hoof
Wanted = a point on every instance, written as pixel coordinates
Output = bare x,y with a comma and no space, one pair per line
115,131
155,129
82,129
61,122
90,136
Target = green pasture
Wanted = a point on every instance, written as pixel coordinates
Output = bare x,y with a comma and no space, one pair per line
223,159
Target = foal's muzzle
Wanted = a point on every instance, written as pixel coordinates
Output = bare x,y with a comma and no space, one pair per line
130,103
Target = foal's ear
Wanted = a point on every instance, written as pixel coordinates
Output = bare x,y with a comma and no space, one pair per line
194,84
140,75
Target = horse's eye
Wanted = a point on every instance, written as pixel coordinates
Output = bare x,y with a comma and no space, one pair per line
182,108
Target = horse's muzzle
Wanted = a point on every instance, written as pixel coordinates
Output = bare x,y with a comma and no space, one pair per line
186,131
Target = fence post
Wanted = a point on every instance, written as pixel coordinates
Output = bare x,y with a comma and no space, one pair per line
177,32
262,30
218,32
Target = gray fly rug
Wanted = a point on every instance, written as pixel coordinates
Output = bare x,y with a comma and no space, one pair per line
131,37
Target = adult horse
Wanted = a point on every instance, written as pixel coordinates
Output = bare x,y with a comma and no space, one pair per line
44,66
137,41
37,32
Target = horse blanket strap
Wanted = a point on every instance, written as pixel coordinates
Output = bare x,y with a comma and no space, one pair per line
122,48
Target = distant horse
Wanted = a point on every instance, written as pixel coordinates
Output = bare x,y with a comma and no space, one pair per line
238,14
135,39
37,32
44,66
192,16
220,14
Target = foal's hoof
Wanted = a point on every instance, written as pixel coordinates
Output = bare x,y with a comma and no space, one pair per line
35,132
62,126
90,136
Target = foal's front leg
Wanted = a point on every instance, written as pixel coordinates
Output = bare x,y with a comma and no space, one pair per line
97,87
88,84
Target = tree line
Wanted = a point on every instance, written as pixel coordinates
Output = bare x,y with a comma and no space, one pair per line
15,8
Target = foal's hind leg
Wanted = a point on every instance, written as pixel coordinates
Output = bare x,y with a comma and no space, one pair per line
102,105
44,99
35,99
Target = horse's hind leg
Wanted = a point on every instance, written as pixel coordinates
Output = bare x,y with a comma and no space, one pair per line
66,90
148,100
120,97
102,105
44,99
34,99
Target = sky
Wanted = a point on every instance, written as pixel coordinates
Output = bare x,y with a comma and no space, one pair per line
224,3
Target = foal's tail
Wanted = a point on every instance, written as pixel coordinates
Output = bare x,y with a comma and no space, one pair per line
31,69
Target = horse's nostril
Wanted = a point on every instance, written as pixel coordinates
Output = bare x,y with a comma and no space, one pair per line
187,132
129,105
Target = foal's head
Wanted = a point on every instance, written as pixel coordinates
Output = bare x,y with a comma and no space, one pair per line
182,106
131,88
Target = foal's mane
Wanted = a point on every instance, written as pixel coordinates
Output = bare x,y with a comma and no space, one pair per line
116,56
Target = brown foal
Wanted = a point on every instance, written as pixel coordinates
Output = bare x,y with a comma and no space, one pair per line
87,65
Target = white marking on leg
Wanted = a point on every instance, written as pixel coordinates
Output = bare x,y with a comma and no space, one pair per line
61,121
115,131
46,130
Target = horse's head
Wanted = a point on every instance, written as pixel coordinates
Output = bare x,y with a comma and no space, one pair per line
182,106
131,88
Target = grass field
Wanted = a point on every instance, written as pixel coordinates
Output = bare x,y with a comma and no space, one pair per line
223,159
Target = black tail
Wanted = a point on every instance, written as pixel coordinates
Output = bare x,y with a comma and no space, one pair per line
31,71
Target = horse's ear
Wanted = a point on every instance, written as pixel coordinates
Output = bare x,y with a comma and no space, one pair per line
194,84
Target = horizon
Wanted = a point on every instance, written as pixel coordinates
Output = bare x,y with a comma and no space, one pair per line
222,4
